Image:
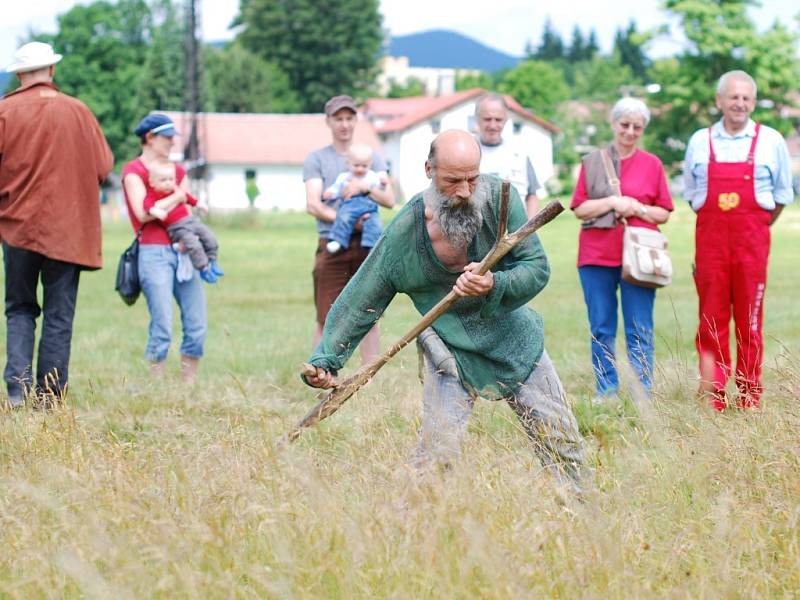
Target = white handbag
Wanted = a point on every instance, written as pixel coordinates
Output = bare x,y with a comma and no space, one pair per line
645,257
645,252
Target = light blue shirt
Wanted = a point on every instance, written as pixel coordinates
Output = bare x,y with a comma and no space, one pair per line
773,177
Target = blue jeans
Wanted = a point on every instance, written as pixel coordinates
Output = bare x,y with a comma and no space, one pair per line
157,266
600,294
351,211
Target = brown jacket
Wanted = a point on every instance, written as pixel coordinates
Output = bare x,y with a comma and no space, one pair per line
53,155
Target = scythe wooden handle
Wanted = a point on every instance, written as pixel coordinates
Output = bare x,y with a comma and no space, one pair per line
347,387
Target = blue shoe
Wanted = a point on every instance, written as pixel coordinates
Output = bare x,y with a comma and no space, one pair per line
215,268
208,275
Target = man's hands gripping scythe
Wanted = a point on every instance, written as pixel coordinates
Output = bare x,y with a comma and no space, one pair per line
342,390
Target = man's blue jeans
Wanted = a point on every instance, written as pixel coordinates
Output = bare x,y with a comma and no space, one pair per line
348,213
600,294
157,266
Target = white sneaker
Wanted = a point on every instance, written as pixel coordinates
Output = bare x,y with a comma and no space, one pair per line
333,246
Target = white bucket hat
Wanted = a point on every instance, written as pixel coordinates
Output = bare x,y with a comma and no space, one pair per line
32,56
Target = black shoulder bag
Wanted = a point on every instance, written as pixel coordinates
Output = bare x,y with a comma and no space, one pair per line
128,273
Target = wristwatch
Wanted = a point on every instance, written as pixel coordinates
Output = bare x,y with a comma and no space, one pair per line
643,211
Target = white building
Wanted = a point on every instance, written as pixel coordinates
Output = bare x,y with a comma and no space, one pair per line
406,127
436,81
271,147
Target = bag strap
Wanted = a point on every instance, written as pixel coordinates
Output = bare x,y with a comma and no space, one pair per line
611,173
611,178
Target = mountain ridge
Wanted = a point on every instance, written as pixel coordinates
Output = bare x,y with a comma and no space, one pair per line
443,48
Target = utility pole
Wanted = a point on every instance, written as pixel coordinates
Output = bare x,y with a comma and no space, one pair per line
194,155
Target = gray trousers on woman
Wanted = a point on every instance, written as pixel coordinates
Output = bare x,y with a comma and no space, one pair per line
539,403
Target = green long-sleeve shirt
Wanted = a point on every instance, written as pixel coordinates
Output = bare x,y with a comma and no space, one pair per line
496,339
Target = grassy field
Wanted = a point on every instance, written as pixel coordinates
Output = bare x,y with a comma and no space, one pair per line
142,488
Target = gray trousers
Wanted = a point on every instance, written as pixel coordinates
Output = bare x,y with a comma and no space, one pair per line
539,403
198,239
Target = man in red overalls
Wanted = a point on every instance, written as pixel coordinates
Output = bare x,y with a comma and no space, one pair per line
737,178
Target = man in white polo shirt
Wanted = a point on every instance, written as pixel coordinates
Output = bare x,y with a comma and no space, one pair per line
504,158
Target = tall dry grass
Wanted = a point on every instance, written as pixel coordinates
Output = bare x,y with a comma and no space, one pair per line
151,489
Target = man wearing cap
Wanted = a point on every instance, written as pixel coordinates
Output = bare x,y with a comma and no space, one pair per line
501,157
53,155
321,167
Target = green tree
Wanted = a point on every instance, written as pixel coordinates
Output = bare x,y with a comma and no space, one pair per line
577,47
584,127
104,47
537,85
164,70
629,47
721,37
592,47
601,78
412,87
240,81
552,46
326,48
481,80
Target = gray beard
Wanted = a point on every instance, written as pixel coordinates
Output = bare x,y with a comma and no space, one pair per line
458,220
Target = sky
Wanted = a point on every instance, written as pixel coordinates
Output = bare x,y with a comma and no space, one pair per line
507,27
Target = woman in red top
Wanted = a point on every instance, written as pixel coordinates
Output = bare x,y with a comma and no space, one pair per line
158,262
645,202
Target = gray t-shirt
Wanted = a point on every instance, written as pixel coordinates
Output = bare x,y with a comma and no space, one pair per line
326,164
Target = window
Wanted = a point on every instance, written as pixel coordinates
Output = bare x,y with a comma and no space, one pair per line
517,127
436,126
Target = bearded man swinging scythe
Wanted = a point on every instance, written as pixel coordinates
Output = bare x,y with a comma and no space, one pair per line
489,344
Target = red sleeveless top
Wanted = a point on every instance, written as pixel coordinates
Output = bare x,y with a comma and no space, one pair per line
153,231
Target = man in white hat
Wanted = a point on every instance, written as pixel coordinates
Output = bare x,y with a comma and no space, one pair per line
53,155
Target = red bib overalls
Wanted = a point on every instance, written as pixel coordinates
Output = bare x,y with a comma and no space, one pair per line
731,250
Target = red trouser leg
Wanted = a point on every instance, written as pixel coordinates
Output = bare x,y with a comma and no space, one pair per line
749,283
713,283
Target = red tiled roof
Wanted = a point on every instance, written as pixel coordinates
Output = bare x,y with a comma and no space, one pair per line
258,139
398,114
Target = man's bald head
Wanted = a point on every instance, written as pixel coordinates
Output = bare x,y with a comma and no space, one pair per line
454,164
454,147
455,196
